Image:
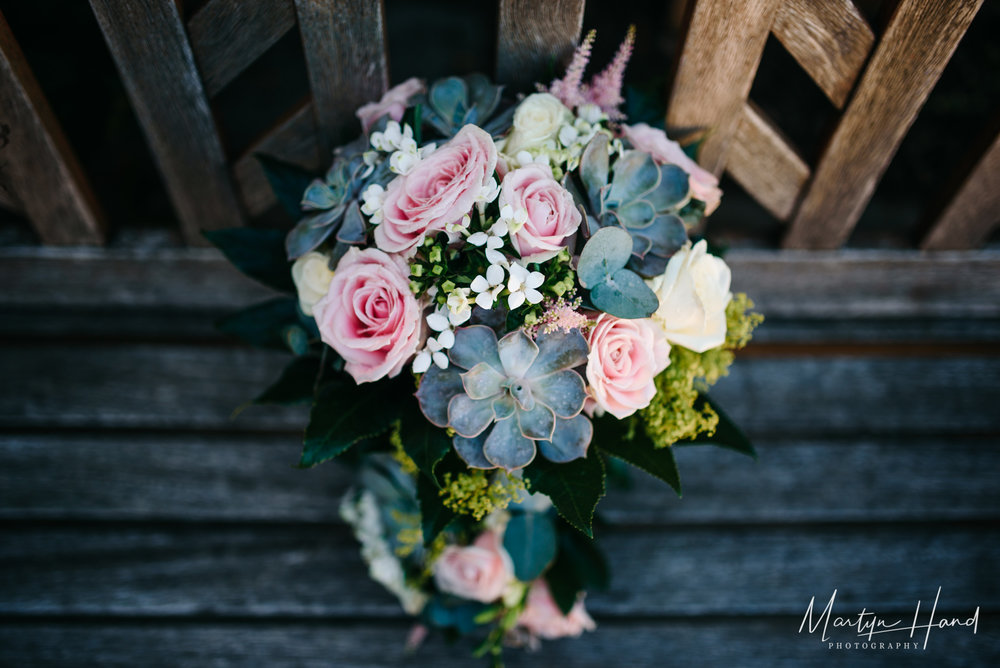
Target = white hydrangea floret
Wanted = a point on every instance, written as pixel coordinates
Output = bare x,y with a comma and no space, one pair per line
523,286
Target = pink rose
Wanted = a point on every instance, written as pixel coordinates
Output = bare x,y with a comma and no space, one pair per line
542,618
438,191
369,316
552,214
704,184
393,103
625,356
479,571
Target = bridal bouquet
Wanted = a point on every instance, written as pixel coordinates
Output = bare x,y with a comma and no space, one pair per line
495,301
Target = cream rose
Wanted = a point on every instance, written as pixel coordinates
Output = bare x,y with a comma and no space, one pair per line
311,274
693,294
542,618
480,571
704,184
625,356
537,119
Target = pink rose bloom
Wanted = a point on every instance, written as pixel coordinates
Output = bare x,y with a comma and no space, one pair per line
704,184
625,356
393,103
552,214
542,618
479,571
369,316
438,191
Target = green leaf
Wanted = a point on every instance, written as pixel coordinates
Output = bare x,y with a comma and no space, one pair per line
342,415
295,386
434,515
530,540
262,325
574,487
564,584
727,435
609,434
444,611
579,566
260,254
425,444
287,181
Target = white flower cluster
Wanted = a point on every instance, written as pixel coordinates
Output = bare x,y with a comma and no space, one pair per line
442,321
398,140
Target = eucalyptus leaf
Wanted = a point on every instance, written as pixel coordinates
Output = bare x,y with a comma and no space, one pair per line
625,295
530,540
574,487
607,251
260,254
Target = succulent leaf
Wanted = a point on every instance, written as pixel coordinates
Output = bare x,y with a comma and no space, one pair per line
473,345
482,381
507,448
563,391
570,440
469,417
538,423
557,351
471,451
436,390
517,352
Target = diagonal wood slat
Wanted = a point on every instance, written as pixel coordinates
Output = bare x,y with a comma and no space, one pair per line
764,163
829,39
228,35
716,67
916,46
150,47
39,172
344,44
974,210
535,38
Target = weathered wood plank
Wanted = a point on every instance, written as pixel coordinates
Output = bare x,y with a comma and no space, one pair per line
198,387
974,210
344,43
835,285
160,477
150,47
914,50
751,642
228,35
535,37
38,170
765,164
715,69
830,40
293,140
316,571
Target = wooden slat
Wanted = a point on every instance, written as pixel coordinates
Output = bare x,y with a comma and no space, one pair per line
536,39
837,285
293,140
198,387
344,43
200,478
150,47
749,643
37,166
916,46
715,69
829,39
228,35
764,163
317,571
974,210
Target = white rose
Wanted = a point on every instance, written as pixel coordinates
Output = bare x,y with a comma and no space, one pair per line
693,294
538,119
312,275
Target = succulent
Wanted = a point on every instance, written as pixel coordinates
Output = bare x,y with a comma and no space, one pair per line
455,101
639,196
505,399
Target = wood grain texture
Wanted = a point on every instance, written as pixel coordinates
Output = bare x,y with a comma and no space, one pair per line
150,47
198,388
830,40
725,641
715,69
915,47
156,477
838,285
293,140
39,173
974,210
316,571
535,40
228,35
344,43
765,164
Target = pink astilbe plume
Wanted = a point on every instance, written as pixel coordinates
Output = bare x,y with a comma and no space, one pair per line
605,89
569,88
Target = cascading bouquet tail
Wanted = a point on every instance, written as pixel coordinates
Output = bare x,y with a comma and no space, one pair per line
491,302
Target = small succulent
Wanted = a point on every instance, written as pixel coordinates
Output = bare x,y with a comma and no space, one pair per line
505,399
455,101
639,196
